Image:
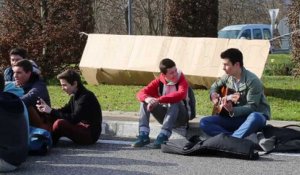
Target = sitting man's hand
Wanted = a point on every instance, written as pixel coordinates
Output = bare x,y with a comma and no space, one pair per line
215,97
42,106
235,97
152,104
228,106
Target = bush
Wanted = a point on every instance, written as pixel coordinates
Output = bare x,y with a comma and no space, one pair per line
192,18
47,29
278,65
294,23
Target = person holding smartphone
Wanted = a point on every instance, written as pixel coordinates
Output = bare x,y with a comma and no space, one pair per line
81,118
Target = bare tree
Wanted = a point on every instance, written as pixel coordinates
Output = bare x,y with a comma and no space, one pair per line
148,16
245,11
110,16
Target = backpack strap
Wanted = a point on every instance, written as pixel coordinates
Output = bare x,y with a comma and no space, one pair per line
287,126
161,87
160,91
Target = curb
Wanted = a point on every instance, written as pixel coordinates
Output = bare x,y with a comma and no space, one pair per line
125,124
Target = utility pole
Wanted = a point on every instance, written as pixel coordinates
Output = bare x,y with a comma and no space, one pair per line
44,14
273,15
129,17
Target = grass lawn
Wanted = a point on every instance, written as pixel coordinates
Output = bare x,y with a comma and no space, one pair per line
283,94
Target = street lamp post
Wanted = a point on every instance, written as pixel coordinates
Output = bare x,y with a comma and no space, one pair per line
129,17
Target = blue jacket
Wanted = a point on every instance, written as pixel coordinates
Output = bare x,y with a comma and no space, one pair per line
9,74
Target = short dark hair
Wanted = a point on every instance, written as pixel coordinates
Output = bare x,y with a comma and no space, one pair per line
234,55
18,51
166,64
70,76
2,82
25,64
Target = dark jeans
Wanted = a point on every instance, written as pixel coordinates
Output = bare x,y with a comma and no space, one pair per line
79,133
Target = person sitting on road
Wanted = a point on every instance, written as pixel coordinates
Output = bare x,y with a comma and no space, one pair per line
17,54
247,108
13,130
167,107
34,88
81,118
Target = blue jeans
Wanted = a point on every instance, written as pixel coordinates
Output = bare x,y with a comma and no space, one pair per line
239,127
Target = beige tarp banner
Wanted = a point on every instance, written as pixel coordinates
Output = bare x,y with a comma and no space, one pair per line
134,60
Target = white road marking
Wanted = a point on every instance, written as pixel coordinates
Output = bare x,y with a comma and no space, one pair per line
287,154
115,142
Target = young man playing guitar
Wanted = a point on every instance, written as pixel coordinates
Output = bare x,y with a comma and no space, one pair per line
243,112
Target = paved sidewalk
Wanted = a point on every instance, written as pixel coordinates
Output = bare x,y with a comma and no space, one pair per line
125,124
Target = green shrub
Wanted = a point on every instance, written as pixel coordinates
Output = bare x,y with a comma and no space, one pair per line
278,65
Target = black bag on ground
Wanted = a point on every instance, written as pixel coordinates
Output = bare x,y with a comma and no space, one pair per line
286,138
220,145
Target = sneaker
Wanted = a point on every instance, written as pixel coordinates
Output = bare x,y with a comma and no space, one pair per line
267,144
161,138
142,140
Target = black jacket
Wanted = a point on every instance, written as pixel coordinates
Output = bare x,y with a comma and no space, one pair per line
82,107
13,129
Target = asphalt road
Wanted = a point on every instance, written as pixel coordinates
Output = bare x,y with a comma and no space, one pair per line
114,158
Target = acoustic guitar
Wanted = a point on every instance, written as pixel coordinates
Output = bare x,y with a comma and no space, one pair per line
231,96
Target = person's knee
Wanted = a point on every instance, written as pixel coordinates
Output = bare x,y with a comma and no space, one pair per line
257,118
143,104
175,105
204,123
173,108
58,124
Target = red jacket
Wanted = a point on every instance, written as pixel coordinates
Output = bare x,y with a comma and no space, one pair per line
152,90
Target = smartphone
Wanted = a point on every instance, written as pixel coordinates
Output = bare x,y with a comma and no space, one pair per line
39,101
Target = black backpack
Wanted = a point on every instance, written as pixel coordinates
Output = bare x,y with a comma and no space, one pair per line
189,101
286,138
